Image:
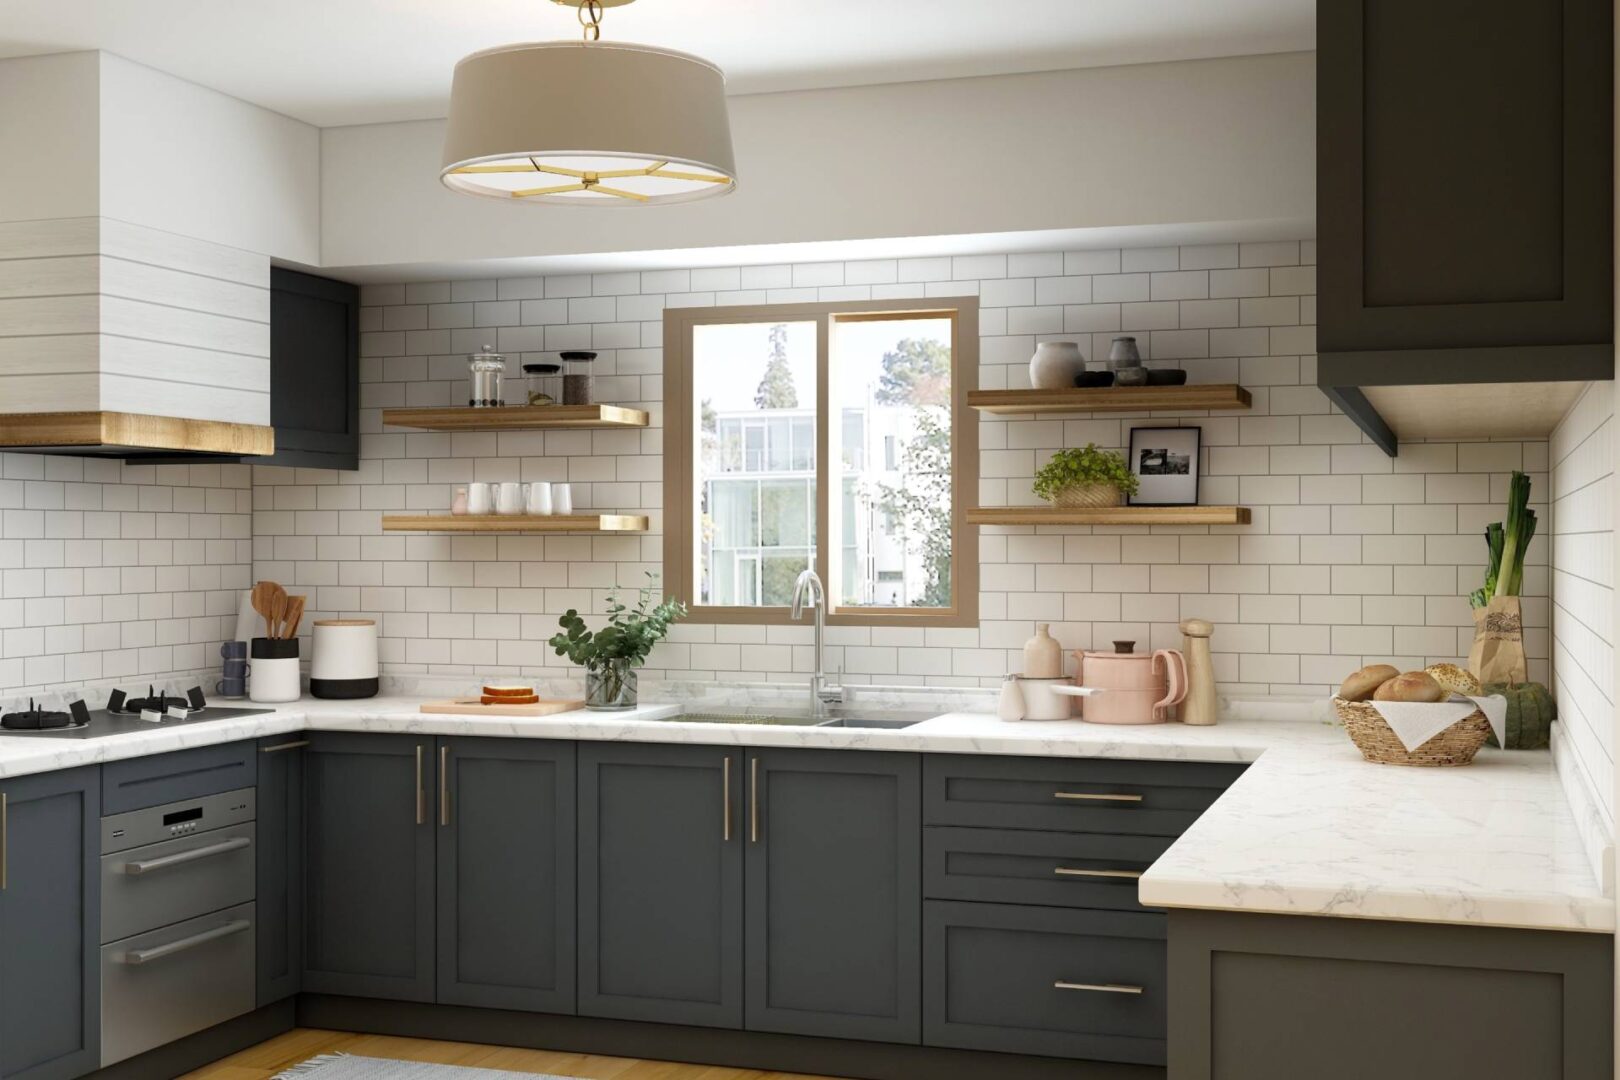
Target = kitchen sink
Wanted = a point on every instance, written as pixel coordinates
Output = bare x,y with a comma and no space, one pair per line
791,718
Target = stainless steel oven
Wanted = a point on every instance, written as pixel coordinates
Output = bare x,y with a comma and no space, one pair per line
177,920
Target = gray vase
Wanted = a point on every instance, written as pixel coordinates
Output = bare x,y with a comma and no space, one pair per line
1126,361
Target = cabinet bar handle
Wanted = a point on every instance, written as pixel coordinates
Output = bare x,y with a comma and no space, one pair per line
421,796
1072,871
725,788
181,858
158,952
5,841
753,800
1088,796
1101,988
444,785
279,747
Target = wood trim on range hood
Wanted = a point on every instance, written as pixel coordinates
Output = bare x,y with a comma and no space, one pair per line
130,434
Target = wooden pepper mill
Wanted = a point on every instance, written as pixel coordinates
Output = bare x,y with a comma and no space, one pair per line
1199,708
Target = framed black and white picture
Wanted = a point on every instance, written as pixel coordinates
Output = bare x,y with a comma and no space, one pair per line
1165,462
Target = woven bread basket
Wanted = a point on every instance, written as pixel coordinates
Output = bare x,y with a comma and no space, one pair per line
1456,745
1087,496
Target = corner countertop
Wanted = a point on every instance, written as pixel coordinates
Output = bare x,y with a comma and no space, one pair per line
1309,829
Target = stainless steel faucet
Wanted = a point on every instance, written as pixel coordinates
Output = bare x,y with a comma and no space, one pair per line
809,590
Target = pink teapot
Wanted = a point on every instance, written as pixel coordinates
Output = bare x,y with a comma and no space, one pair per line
1138,688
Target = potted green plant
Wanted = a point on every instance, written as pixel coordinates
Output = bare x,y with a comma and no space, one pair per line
611,655
1085,478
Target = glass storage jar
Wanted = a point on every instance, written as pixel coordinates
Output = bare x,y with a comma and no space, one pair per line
486,371
543,383
577,377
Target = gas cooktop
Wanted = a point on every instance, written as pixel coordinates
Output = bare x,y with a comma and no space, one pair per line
103,723
123,714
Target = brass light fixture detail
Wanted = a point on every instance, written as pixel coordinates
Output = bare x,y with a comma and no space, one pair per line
650,122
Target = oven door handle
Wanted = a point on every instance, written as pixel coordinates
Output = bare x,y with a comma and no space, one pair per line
180,858
158,952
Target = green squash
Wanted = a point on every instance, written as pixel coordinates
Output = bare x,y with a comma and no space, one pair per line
1530,713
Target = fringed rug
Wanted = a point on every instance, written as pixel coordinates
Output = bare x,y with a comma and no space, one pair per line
349,1067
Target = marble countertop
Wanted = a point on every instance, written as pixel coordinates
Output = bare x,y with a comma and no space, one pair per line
1309,829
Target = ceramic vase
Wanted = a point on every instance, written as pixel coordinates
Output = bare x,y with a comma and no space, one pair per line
1055,364
1043,656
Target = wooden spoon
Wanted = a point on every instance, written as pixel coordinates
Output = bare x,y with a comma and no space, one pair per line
261,596
278,611
295,612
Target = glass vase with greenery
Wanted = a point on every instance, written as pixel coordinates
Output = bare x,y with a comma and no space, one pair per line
1085,477
611,655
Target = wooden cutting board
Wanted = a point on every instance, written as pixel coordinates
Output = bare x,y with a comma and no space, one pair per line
474,707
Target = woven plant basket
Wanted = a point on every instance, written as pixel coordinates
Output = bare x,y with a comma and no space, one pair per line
1456,745
1087,496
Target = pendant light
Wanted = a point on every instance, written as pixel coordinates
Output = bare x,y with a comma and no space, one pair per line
588,122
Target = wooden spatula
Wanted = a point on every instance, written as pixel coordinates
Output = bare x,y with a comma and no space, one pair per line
295,612
262,595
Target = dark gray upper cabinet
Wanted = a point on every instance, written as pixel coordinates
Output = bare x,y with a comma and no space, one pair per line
50,922
660,883
1464,195
369,851
280,854
314,371
834,894
505,814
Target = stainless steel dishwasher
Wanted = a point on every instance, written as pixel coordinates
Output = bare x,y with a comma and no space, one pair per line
177,920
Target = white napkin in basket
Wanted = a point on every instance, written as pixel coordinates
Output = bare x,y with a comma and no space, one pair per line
1416,722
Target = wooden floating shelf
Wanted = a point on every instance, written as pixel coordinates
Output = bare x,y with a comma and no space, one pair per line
1109,515
1110,399
608,523
516,417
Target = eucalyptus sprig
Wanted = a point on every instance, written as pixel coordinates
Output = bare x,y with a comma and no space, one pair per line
1072,468
630,633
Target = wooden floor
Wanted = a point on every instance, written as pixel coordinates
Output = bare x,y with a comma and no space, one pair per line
268,1058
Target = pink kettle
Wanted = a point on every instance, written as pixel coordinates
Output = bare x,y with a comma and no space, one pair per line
1138,688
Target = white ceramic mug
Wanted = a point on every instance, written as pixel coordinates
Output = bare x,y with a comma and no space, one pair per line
562,499
480,499
509,498
540,498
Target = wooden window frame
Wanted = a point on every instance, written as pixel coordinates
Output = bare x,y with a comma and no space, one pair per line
680,446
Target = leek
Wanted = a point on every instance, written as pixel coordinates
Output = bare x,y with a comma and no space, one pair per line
1493,550
1517,532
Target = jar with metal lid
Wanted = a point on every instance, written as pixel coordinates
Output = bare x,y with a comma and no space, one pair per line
578,383
543,383
486,371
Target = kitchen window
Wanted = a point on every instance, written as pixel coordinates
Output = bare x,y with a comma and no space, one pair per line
828,436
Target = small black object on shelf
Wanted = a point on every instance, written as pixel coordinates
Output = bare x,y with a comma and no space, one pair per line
1167,377
1094,379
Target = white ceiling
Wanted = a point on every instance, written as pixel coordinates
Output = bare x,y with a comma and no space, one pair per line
333,62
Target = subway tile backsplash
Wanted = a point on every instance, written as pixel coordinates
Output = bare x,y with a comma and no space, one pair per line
1351,556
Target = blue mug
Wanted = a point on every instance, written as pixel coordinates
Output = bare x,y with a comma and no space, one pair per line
232,688
234,669
234,650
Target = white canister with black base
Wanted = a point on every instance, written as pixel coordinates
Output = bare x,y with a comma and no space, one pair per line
273,670
343,659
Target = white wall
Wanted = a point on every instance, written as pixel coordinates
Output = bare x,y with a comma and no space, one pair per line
49,125
1227,140
190,160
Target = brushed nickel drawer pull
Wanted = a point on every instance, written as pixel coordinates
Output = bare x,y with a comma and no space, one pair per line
279,747
725,800
444,785
421,797
5,842
158,952
1089,797
753,800
1101,988
1073,871
181,858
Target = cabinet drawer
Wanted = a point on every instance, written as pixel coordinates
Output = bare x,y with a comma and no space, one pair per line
1029,980
188,876
1008,866
1152,798
137,783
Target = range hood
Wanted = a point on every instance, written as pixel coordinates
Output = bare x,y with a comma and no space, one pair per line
132,437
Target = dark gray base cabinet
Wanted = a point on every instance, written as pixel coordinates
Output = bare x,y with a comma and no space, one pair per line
661,883
505,814
834,895
50,922
280,861
369,865
1279,997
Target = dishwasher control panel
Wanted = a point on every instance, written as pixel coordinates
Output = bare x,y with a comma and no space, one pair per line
154,823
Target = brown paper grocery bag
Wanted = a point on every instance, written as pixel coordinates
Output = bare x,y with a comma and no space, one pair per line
1498,652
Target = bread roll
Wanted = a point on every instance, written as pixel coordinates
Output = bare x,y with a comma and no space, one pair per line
1453,679
1361,684
1413,686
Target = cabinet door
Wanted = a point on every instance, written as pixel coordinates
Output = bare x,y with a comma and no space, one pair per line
660,883
314,371
834,894
50,918
505,813
280,937
368,916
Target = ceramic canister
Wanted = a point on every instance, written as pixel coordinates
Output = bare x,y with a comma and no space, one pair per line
343,662
1138,688
273,669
